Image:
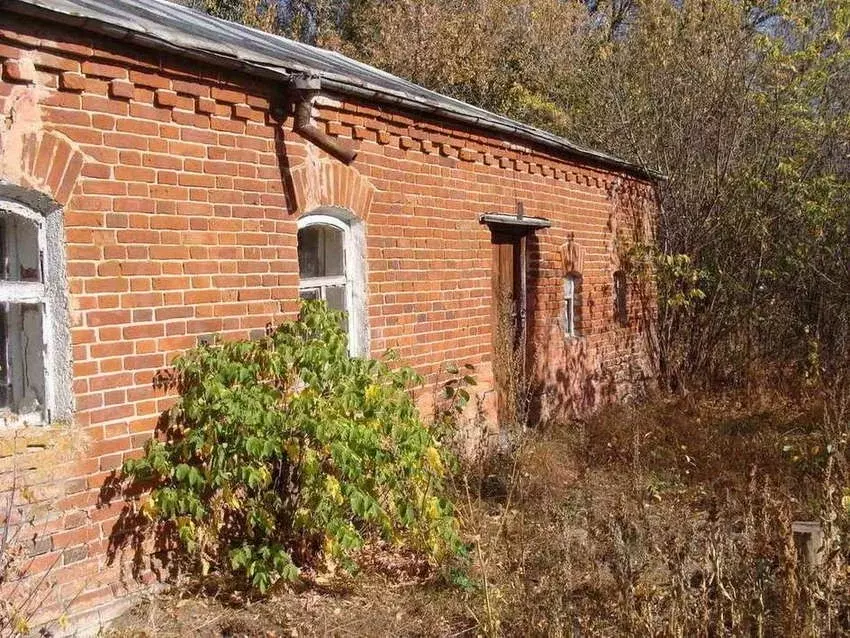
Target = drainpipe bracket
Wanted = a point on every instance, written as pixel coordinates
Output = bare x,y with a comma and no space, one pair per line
304,82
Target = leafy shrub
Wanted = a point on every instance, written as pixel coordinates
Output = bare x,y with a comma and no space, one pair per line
284,450
452,398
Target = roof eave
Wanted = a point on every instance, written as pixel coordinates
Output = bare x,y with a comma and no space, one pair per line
341,85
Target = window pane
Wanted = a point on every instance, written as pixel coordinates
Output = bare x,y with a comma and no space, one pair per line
23,347
336,300
5,381
310,293
569,288
19,249
320,251
333,251
308,252
335,296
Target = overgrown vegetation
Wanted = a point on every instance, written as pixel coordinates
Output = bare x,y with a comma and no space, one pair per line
673,519
284,452
24,595
669,519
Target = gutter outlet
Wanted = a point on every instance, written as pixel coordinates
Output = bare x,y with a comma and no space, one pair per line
304,89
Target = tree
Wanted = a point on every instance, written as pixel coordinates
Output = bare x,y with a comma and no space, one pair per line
259,14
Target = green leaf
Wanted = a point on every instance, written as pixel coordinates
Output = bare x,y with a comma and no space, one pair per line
287,438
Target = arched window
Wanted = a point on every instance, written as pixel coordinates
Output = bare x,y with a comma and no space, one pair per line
572,305
31,313
330,265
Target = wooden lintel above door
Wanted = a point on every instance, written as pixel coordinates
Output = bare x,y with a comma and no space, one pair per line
515,224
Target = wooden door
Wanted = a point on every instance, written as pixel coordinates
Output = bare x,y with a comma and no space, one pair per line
508,322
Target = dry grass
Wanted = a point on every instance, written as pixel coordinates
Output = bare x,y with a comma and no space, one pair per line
371,606
672,519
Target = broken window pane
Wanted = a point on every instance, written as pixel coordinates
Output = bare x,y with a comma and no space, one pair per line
310,293
22,347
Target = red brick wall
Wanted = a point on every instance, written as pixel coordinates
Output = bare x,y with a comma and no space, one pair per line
181,193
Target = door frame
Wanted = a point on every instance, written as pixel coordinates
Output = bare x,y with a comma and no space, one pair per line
508,237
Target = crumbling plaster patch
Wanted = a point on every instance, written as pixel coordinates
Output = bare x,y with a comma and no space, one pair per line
21,121
33,155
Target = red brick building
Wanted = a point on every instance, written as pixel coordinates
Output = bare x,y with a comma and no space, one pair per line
165,176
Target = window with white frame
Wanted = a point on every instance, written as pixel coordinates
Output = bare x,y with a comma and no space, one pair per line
330,265
572,286
25,385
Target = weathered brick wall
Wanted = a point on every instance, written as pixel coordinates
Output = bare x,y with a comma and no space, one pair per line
181,191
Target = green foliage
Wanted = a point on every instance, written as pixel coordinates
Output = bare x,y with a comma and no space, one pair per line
452,399
678,280
284,450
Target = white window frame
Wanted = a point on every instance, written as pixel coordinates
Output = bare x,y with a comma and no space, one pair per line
347,278
31,293
570,296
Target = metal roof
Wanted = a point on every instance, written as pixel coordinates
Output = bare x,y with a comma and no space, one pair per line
166,26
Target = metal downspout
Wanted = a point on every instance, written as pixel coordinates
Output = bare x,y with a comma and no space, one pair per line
305,88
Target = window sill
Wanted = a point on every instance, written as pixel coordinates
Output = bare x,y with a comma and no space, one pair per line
13,421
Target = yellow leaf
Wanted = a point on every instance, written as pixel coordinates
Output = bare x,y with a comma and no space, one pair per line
21,625
149,509
432,458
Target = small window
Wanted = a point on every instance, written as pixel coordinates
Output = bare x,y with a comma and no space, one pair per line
572,285
23,306
321,264
621,304
328,268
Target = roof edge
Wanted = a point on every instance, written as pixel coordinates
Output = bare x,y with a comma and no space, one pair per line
519,130
341,85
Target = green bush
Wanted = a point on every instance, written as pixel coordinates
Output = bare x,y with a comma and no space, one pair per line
284,451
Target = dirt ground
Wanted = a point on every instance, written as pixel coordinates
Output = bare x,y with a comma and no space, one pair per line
671,519
370,606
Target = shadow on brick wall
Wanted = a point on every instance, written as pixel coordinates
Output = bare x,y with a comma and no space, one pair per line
143,549
564,380
283,161
569,376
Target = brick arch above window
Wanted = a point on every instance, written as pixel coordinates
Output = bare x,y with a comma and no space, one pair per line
328,183
572,257
43,162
